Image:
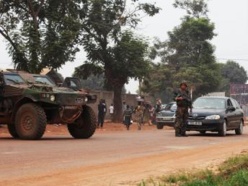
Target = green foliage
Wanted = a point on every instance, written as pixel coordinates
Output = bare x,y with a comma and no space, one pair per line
188,54
233,171
119,53
233,72
158,82
40,34
194,8
189,44
234,164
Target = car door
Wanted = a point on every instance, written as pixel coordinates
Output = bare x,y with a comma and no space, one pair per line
239,114
230,114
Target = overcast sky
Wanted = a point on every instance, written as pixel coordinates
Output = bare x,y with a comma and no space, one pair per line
231,26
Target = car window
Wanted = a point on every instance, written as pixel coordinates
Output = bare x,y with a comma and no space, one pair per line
13,79
43,79
229,103
174,107
168,106
235,104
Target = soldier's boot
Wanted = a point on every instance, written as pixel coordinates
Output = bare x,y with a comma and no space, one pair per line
183,133
177,132
128,127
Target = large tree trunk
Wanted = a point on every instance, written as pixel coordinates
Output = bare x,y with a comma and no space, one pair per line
118,113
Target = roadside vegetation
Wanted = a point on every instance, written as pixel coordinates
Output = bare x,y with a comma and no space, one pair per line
233,171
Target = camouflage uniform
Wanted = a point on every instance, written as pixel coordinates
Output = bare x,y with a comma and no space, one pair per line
182,112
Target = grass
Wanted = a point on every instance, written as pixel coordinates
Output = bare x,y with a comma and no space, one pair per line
232,172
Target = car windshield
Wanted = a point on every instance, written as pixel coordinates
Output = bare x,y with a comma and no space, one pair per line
11,79
44,80
174,107
170,106
209,103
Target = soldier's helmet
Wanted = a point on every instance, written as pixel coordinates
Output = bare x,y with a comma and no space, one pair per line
184,83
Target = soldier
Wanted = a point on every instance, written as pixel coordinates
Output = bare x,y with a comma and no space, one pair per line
182,97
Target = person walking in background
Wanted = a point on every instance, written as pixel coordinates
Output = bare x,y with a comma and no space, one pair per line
183,99
151,115
127,115
111,111
140,113
101,113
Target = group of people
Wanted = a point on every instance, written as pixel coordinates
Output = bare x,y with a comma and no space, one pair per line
139,113
184,105
182,98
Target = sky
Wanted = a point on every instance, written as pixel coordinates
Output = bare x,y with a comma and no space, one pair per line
231,26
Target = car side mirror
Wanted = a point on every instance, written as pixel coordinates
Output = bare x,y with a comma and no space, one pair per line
231,108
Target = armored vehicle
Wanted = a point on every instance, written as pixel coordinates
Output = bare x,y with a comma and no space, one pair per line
27,106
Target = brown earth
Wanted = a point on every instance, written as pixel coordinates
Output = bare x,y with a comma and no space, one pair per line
153,158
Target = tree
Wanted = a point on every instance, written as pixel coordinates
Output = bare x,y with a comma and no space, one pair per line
120,55
41,33
235,73
194,8
128,60
188,53
231,72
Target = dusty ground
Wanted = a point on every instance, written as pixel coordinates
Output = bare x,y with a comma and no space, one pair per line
113,156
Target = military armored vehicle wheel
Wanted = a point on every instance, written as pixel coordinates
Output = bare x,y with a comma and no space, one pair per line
30,121
12,131
84,127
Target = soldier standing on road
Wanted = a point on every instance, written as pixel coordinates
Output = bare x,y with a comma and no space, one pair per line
182,97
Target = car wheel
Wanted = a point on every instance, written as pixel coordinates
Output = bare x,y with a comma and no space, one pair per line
239,131
223,129
203,132
160,126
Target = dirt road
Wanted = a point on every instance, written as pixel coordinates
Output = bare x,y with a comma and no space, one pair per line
111,157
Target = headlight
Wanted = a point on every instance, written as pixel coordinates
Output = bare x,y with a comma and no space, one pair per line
52,97
85,99
213,117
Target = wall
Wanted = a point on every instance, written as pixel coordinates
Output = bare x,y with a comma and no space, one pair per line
108,96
